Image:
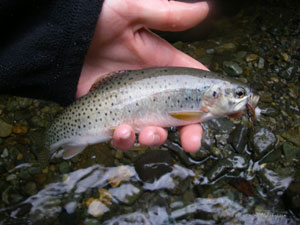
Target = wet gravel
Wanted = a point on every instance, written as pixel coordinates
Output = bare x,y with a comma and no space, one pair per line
244,173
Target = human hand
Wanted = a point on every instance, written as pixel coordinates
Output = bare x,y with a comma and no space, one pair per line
122,41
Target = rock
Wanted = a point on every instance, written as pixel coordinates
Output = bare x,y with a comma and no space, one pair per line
261,63
153,164
238,138
30,188
290,152
251,57
269,111
64,167
126,193
227,47
5,129
291,198
221,125
265,96
285,56
210,51
262,141
97,208
232,68
222,166
20,129
4,153
240,55
288,73
293,135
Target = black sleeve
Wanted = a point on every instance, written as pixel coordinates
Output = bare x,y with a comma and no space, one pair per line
43,45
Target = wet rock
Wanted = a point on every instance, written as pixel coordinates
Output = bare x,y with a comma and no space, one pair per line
20,129
277,180
5,129
227,47
97,154
265,96
153,164
222,166
178,150
4,153
238,138
293,135
97,208
232,68
269,111
251,57
64,167
290,152
273,156
261,63
288,73
30,188
292,198
207,139
240,55
221,125
201,154
285,56
126,193
262,141
90,221
242,186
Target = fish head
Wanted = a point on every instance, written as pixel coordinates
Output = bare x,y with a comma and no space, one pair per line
228,98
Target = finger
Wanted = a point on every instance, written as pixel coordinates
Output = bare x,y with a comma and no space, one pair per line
168,55
153,136
191,136
123,137
170,15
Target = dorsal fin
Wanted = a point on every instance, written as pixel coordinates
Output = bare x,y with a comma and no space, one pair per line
105,78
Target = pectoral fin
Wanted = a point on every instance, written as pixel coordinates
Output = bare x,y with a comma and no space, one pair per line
71,151
187,116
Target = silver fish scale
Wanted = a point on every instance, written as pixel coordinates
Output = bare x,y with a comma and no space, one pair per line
134,97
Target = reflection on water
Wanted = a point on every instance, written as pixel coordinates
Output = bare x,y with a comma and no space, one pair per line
98,191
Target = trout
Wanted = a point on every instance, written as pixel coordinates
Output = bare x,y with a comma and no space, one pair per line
165,97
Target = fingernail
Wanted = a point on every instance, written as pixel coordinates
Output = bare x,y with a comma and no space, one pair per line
189,1
125,134
155,139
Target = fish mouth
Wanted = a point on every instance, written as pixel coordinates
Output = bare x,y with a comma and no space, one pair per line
251,105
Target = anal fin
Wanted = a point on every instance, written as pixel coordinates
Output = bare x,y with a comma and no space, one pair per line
188,116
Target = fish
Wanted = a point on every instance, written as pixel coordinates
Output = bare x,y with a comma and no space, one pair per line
160,96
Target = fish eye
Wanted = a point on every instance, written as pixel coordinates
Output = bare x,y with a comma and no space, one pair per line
240,92
215,94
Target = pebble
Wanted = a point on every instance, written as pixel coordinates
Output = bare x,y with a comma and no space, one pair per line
262,141
64,167
261,63
285,56
153,164
227,47
238,138
290,152
30,188
5,129
293,135
126,193
251,57
97,208
232,68
20,129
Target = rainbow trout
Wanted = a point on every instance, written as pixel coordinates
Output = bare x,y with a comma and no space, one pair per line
167,96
